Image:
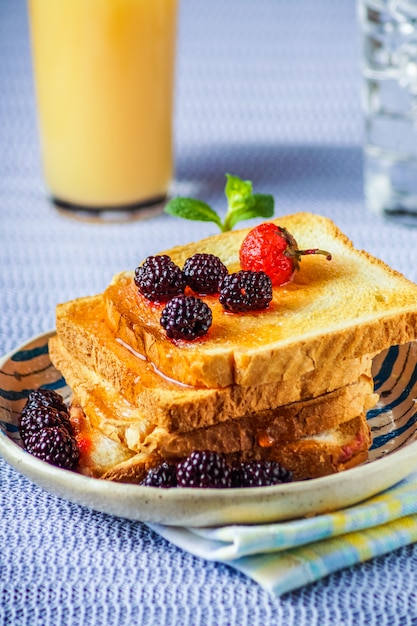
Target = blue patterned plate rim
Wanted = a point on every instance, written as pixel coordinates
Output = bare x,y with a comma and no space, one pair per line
392,457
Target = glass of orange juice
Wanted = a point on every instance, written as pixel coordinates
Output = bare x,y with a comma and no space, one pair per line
104,78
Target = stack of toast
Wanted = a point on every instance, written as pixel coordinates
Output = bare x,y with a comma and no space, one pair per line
291,383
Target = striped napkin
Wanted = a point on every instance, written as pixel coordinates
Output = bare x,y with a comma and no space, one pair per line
285,556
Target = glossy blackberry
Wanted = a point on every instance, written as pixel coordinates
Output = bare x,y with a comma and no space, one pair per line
204,273
259,474
55,446
186,317
245,291
159,279
204,469
34,419
45,397
162,476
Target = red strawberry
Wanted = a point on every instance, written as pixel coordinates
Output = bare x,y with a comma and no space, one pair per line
273,250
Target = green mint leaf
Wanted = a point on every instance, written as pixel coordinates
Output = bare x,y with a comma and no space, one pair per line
260,206
192,209
242,204
264,205
238,192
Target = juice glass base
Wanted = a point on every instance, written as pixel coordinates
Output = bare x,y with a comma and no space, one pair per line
119,213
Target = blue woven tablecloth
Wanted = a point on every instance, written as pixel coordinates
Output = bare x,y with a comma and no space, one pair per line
268,90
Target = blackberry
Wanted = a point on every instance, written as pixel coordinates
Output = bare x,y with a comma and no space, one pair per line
204,273
186,317
204,469
55,446
34,419
45,397
259,474
245,291
162,476
159,279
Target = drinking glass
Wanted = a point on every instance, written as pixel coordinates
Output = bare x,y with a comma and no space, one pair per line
389,62
104,78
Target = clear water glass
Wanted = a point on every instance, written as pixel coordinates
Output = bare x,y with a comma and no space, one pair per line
389,57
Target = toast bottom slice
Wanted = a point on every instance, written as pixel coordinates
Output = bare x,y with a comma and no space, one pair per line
331,451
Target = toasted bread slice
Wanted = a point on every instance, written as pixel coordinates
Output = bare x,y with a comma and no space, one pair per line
334,451
331,451
332,311
274,429
90,358
109,412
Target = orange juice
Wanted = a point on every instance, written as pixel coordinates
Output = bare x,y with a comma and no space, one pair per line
104,72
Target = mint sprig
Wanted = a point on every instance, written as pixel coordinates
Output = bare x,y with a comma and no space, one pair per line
242,204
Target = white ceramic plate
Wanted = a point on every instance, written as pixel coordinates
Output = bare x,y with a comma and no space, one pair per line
392,457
